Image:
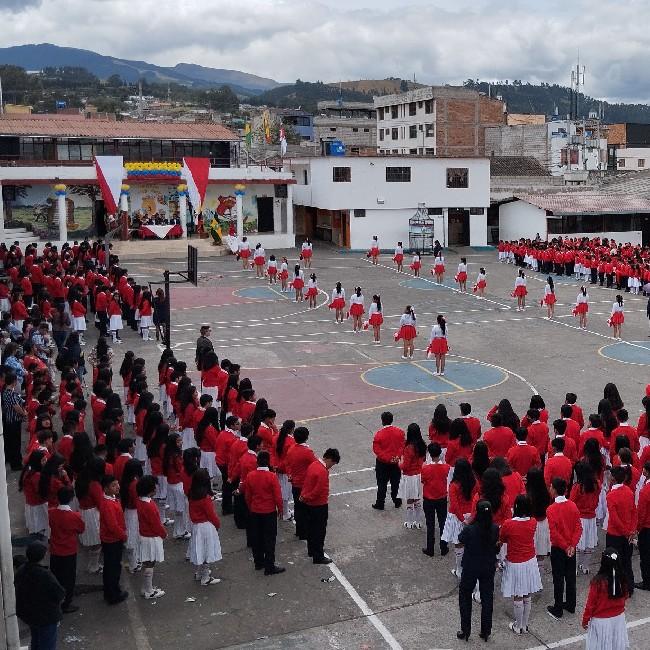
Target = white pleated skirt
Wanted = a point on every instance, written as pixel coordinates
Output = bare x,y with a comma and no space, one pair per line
607,634
189,440
410,487
589,537
132,528
520,578
542,538
146,321
601,509
205,546
115,324
213,391
36,519
176,499
5,307
161,488
150,549
90,536
130,413
79,323
140,449
209,462
162,395
452,528
285,486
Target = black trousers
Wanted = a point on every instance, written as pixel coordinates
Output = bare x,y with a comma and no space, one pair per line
564,579
112,570
264,530
486,587
299,513
624,549
64,568
103,323
644,555
12,444
226,491
594,275
316,531
435,508
385,472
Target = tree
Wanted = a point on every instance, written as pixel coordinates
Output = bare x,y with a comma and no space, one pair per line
114,81
403,85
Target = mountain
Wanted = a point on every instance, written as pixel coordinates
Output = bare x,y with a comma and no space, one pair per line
307,94
388,86
37,57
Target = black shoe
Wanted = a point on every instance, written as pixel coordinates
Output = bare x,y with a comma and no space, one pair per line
484,635
323,560
444,550
274,570
398,503
642,586
462,635
259,567
568,609
120,599
426,551
554,613
377,506
69,609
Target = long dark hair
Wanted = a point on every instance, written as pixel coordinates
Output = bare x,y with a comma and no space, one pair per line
172,450
480,458
586,477
551,284
441,421
607,416
288,426
458,429
610,392
261,407
132,470
94,471
34,464
201,485
483,520
440,319
492,488
592,456
646,405
612,571
127,363
538,493
508,416
414,438
464,476
159,439
210,418
377,299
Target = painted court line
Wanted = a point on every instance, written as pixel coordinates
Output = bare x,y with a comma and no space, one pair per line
373,619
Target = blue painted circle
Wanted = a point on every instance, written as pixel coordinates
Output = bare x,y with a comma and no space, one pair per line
424,285
638,352
261,293
417,377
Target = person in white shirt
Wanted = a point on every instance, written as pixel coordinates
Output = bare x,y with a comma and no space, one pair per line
357,309
373,254
375,318
272,270
461,275
549,298
481,283
582,307
338,302
439,268
617,318
259,258
416,264
398,258
298,282
438,345
520,291
407,331
244,252
284,275
307,252
312,291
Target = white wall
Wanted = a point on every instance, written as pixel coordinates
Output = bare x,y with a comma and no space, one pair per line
634,237
520,219
632,157
390,226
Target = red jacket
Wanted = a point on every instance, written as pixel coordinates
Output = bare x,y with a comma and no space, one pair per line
474,426
77,309
299,458
600,605
458,504
247,463
266,433
411,463
202,510
559,466
112,527
209,439
643,509
587,502
149,523
522,457
246,410
388,444
499,441
570,448
174,471
538,436
519,535
65,526
64,447
434,480
591,433
624,430
621,511
572,430
222,446
261,489
316,489
564,523
119,465
577,416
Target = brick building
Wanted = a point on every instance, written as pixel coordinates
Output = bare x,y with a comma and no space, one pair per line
436,121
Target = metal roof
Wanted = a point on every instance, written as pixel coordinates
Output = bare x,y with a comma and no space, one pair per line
576,203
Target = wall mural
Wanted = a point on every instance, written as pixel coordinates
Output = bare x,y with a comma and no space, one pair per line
150,200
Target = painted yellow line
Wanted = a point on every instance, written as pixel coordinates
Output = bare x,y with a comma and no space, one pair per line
447,381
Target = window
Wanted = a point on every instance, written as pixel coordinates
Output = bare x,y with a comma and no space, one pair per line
621,162
281,191
641,162
413,131
420,104
366,130
395,134
393,112
432,211
358,214
333,128
381,134
413,152
305,177
428,130
430,151
412,108
477,210
428,106
395,151
457,177
355,129
398,174
341,174
380,113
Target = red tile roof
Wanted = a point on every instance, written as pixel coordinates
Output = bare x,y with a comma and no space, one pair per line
94,128
568,203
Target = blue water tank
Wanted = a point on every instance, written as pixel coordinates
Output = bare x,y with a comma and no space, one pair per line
336,148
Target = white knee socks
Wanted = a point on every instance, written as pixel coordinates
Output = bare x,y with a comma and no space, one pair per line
145,333
180,526
410,514
518,607
147,580
418,512
528,603
132,559
93,559
459,559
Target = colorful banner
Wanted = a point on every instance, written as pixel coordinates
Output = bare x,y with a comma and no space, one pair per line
110,173
196,172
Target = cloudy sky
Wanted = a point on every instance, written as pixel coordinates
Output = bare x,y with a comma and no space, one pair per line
437,41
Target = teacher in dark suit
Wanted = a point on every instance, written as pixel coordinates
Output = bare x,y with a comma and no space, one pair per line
480,539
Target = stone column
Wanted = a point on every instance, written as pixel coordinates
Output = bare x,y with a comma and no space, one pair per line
240,190
62,212
290,217
182,213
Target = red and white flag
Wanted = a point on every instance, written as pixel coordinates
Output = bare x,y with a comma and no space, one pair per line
196,172
283,141
110,174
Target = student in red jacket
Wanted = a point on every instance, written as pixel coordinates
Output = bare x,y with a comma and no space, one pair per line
434,498
472,422
604,615
410,485
523,457
570,446
565,529
65,526
152,533
499,438
558,466
263,496
315,495
299,458
387,445
621,522
585,493
643,528
112,533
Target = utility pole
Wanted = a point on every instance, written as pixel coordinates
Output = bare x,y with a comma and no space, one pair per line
2,110
140,100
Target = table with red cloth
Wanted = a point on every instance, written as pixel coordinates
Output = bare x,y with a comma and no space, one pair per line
160,232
